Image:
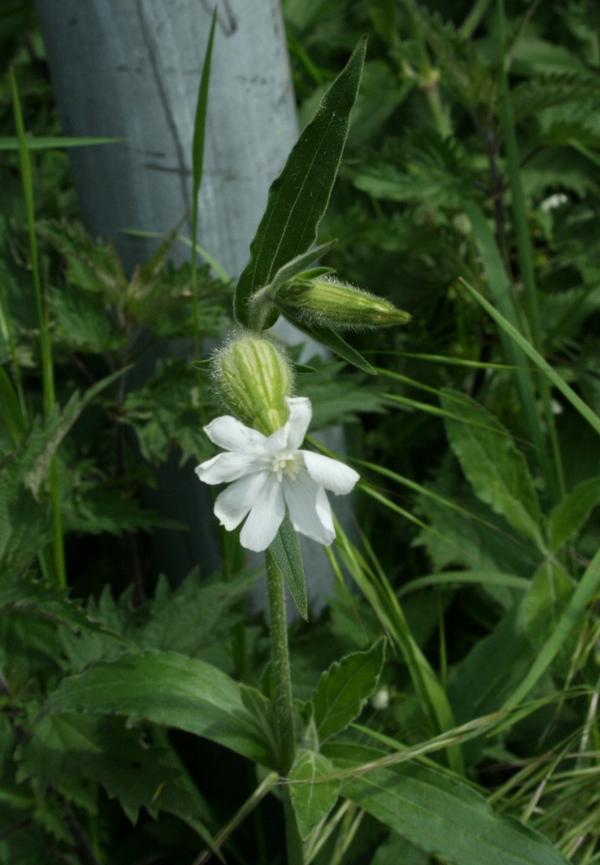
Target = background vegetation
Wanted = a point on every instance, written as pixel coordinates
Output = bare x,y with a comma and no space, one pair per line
471,175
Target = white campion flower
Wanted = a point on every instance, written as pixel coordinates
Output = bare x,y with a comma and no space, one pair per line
269,473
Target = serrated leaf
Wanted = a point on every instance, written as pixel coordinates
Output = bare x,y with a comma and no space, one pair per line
130,769
166,688
312,798
44,600
300,195
547,91
344,688
440,813
286,553
495,468
571,513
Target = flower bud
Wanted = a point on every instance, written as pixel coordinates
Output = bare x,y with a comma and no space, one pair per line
254,378
326,301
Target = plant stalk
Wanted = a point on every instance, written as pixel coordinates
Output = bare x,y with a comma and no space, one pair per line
44,325
281,696
554,471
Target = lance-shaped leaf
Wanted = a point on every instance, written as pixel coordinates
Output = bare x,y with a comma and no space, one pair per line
300,195
495,468
572,512
169,689
344,688
286,553
440,813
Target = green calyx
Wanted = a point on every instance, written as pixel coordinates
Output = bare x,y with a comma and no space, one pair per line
254,378
313,298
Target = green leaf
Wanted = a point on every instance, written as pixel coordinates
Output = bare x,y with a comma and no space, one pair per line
300,195
569,515
198,161
397,849
44,600
50,142
440,813
299,264
586,412
137,773
287,555
169,689
311,797
337,344
344,688
495,468
584,593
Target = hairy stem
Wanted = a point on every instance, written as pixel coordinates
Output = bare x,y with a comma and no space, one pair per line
281,695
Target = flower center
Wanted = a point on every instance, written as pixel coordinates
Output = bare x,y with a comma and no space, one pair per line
284,463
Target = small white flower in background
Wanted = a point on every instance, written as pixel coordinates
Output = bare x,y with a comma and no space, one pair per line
268,473
553,201
381,699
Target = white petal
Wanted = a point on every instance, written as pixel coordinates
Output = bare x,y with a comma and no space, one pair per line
324,511
227,467
331,474
299,420
233,504
301,496
265,517
278,441
229,433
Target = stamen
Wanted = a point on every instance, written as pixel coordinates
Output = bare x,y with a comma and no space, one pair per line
284,463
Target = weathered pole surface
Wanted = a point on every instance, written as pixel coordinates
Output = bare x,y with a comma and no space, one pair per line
131,69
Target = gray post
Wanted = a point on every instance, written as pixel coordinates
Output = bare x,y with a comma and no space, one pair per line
131,68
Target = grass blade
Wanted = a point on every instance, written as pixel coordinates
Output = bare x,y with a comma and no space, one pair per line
584,594
559,383
42,315
197,165
53,142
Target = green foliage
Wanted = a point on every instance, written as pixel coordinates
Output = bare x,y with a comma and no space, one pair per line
433,810
300,196
467,196
313,793
166,688
496,470
344,688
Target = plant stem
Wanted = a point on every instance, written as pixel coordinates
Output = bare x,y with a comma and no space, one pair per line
553,470
281,695
44,325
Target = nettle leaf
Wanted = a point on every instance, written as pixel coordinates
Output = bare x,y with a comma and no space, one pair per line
570,515
344,688
440,813
165,412
547,91
44,600
287,556
131,769
312,797
186,620
300,195
495,468
166,688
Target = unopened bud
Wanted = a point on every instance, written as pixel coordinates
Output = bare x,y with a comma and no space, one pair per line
381,699
254,378
326,301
